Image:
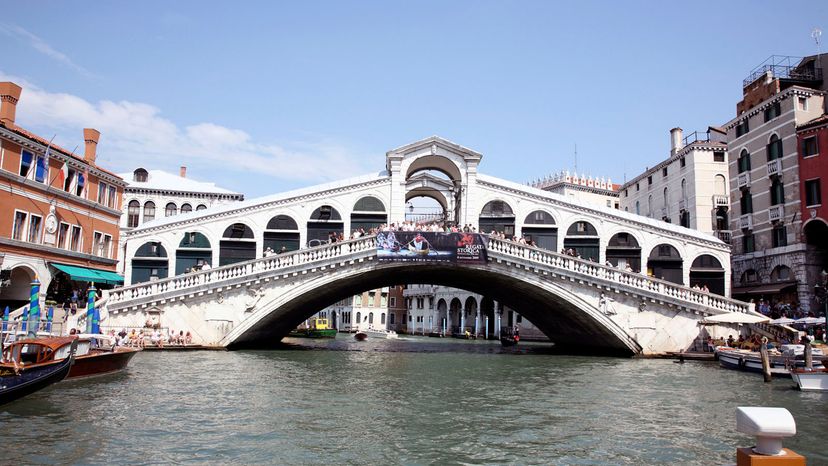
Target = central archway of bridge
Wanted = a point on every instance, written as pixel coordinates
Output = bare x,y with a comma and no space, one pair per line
573,324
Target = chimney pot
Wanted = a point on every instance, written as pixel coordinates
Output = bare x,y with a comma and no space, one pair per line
675,140
182,172
9,95
90,138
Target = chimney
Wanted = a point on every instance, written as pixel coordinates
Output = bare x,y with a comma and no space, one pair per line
9,95
182,172
675,140
90,137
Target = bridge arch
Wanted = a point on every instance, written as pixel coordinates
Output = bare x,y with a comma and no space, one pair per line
583,238
238,244
497,215
666,262
541,227
368,212
150,262
569,319
624,249
324,220
281,231
194,250
707,271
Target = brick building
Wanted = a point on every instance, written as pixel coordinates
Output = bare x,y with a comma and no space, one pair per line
59,212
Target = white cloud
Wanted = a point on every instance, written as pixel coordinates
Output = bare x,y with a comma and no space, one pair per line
42,46
135,134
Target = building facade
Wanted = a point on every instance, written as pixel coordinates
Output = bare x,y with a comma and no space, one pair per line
812,140
59,212
770,259
599,191
381,308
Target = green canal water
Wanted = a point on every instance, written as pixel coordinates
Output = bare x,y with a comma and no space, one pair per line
412,401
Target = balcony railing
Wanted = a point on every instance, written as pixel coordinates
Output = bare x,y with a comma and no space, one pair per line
720,200
784,67
776,212
746,222
775,167
696,136
743,180
724,235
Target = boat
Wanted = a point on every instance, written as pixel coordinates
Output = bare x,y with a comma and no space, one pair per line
360,336
317,328
811,379
98,355
380,333
781,362
509,336
31,366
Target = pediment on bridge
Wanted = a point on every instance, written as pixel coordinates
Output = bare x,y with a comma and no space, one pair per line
434,145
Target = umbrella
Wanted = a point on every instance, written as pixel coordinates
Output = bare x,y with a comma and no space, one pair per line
783,321
810,320
735,318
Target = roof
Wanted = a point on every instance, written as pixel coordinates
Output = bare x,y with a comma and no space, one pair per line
819,121
53,147
54,343
160,180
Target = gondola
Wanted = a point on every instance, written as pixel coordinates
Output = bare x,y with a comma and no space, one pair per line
509,336
35,377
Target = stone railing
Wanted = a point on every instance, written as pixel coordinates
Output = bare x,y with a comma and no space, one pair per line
715,304
219,276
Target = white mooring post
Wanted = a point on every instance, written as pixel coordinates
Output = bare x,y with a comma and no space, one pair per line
769,426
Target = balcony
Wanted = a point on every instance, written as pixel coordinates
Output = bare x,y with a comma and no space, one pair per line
743,180
746,222
776,212
724,235
775,168
721,201
682,205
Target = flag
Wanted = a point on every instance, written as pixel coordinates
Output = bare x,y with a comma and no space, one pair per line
64,174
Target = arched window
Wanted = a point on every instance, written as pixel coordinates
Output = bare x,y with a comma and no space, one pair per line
777,192
370,318
140,175
720,185
201,207
774,148
744,161
149,211
637,208
133,212
382,319
185,208
780,273
170,210
650,205
683,189
666,199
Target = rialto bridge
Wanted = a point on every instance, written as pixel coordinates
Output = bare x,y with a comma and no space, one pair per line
627,293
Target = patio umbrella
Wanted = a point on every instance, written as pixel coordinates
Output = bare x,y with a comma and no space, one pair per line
735,318
90,307
34,309
6,319
783,321
810,321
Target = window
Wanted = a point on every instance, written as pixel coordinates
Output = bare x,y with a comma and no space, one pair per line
382,319
19,225
666,199
67,183
63,233
149,211
391,318
26,158
684,190
684,219
393,301
35,222
748,244
773,111
609,202
813,196
774,148
106,247
102,193
718,156
780,236
140,175
41,169
75,240
186,208
111,200
370,317
626,193
519,318
81,185
742,128
201,207
744,161
682,162
810,146
97,242
170,210
664,172
746,203
637,208
803,104
133,212
650,180
777,193
637,187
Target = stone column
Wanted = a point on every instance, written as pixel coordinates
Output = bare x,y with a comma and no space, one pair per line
477,322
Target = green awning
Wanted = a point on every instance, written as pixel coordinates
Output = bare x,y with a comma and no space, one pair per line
85,274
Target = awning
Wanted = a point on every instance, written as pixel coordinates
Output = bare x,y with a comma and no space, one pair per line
772,288
735,318
85,274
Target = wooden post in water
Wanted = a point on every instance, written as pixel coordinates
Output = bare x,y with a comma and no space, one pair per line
809,354
763,351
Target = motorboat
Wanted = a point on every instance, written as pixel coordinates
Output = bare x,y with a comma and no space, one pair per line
97,354
380,333
811,379
30,367
781,361
318,328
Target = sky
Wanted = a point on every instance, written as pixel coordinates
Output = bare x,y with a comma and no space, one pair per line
264,97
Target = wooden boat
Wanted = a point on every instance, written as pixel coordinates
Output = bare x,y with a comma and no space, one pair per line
509,336
318,328
811,380
781,362
360,336
31,366
98,355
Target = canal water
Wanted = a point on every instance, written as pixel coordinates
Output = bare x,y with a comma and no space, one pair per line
412,401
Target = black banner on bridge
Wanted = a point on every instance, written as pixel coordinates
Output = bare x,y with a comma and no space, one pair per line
426,246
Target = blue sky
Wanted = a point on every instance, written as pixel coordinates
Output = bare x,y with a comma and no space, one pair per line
263,97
